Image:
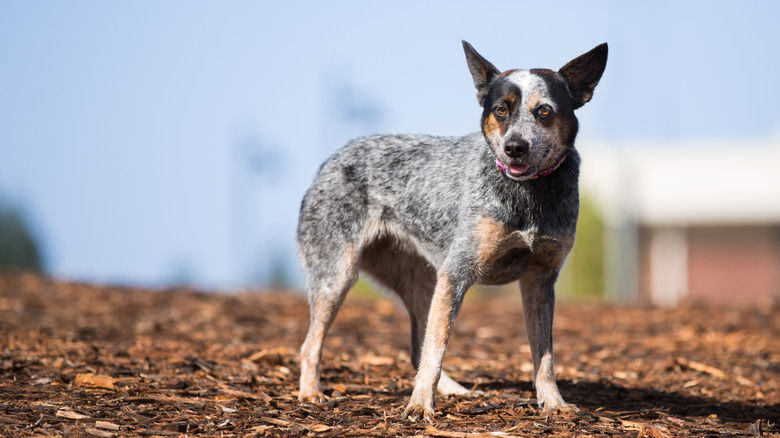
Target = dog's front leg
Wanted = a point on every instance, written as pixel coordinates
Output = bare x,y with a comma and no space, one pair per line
445,305
538,308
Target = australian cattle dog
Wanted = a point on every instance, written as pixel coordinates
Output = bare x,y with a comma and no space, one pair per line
427,217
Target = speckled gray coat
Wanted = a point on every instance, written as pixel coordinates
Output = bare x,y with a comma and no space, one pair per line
428,217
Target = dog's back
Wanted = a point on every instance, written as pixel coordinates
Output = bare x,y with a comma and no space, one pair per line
408,185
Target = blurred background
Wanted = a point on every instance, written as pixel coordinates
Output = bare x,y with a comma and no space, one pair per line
170,143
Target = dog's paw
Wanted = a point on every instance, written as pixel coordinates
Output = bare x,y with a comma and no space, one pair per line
472,393
554,404
312,397
416,412
549,399
558,409
448,386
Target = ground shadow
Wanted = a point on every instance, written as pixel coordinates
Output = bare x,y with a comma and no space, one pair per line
613,397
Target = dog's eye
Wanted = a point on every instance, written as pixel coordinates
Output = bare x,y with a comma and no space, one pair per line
544,111
501,110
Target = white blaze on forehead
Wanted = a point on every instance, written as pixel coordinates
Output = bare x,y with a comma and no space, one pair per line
531,86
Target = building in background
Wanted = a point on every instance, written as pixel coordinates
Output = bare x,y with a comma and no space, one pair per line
689,221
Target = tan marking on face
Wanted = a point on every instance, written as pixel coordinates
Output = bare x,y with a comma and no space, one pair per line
510,99
558,135
491,127
533,102
562,128
492,130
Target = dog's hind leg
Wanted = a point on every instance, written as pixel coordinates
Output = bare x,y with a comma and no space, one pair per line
413,279
328,286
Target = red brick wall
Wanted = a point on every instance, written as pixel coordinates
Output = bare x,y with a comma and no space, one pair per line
734,263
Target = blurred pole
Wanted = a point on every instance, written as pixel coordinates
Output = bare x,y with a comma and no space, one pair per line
621,245
668,248
347,110
253,168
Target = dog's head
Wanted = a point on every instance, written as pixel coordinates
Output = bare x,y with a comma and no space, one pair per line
528,117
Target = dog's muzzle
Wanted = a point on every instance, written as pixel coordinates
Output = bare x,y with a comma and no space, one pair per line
520,172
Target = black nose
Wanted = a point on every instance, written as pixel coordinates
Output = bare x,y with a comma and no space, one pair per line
516,147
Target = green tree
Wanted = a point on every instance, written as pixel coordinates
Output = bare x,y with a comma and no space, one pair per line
583,273
18,247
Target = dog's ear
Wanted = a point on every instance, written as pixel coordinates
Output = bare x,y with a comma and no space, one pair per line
481,70
583,73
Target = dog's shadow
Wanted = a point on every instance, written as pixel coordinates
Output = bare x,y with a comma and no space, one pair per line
609,396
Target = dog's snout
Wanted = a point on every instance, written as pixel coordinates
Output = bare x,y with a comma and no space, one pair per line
516,147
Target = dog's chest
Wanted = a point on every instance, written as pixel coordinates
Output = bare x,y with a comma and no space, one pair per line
504,255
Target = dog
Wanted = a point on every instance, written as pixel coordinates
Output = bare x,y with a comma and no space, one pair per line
427,217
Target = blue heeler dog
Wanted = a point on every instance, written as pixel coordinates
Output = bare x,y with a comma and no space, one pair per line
427,217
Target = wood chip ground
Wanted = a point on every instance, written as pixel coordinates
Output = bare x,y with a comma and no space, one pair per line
89,361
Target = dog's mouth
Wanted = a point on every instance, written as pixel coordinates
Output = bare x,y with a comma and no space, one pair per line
513,170
522,171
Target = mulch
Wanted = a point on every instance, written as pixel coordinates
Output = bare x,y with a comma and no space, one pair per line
86,360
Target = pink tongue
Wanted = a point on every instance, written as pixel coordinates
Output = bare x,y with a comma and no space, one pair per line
501,166
518,168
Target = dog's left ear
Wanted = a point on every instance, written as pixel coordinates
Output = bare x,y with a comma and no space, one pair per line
583,73
481,70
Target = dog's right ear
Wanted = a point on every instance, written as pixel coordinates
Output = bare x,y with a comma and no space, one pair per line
481,70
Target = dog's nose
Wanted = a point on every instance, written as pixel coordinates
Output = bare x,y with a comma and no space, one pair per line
516,147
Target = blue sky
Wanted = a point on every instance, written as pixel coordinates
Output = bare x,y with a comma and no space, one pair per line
151,142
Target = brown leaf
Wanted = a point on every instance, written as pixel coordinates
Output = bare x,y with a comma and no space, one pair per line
320,428
95,381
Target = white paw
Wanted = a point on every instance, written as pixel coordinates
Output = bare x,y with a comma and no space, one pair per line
447,386
416,412
550,400
312,397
